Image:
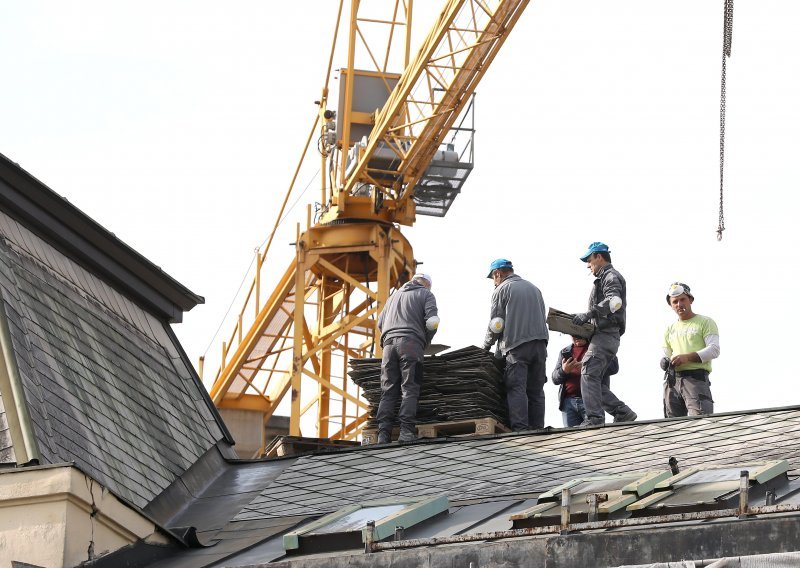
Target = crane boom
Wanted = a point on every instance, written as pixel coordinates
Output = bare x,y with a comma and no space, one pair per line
428,98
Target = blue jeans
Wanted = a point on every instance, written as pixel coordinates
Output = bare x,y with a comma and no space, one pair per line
573,412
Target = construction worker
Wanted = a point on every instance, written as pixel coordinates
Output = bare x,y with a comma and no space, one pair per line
407,323
607,312
517,323
689,345
567,374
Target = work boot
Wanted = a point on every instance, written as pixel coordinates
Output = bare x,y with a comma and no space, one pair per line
587,423
384,437
407,435
629,416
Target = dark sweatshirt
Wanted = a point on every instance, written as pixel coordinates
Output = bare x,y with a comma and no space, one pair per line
406,312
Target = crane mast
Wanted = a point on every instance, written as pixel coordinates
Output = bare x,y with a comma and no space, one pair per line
388,152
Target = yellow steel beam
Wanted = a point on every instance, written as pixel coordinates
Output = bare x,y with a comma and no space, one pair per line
336,389
344,329
326,312
350,429
297,351
346,277
254,334
246,402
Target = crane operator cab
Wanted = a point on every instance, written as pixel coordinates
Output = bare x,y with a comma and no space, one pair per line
436,189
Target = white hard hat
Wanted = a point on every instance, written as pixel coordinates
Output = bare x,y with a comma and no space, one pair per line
425,276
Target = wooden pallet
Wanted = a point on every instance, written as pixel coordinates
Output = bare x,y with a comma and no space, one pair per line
473,427
294,445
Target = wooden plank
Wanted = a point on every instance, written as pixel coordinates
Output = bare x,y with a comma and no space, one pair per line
472,427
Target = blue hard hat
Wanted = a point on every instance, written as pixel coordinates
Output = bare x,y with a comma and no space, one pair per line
593,248
499,263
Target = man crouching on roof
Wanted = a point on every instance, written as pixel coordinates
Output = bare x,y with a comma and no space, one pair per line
407,324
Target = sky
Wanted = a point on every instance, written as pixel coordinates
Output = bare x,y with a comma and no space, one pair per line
177,126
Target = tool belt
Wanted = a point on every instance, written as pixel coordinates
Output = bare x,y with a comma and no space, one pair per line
698,374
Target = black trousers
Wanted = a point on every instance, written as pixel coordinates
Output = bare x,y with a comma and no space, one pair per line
524,379
401,372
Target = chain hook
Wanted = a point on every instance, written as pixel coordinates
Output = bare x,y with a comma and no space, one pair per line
727,40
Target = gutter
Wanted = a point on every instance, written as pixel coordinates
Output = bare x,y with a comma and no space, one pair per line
371,547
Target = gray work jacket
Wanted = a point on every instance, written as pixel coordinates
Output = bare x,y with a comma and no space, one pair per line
406,312
521,306
608,283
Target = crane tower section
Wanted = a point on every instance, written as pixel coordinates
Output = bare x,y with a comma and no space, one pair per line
390,148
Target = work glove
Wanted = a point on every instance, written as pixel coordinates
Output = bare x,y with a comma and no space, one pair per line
664,363
487,348
580,319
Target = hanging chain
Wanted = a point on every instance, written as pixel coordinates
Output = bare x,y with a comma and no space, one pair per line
727,38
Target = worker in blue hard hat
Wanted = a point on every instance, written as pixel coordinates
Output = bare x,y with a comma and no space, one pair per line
607,305
500,263
517,325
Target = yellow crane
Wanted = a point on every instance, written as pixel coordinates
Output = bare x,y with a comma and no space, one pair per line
389,150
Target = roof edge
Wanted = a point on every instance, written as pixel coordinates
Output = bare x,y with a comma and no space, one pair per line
79,236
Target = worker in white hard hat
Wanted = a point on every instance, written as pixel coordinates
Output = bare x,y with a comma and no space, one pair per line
407,324
689,346
517,324
607,306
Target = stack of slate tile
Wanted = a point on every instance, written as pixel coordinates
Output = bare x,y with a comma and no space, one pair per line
458,385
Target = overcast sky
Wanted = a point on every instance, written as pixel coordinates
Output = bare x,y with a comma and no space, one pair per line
177,125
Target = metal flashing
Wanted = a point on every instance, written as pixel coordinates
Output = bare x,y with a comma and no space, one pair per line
394,513
713,486
646,484
649,500
616,493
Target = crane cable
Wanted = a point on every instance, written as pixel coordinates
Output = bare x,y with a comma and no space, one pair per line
727,37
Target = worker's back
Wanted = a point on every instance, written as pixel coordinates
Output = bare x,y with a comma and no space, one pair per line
406,312
523,308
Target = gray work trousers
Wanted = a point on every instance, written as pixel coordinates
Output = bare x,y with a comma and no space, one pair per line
595,381
524,379
401,371
689,397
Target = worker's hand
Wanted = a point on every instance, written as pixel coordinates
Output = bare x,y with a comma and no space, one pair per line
664,363
683,359
580,319
570,365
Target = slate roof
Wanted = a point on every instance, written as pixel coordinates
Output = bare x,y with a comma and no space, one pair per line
106,384
483,477
523,464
